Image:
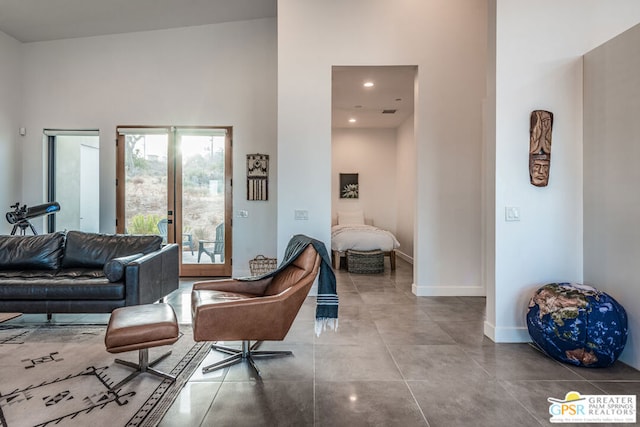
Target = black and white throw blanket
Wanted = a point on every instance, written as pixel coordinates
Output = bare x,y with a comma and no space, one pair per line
327,300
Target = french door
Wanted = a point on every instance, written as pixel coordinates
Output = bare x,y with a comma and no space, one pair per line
176,182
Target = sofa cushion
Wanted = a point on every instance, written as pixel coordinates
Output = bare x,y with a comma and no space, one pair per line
38,289
93,250
69,273
42,252
114,268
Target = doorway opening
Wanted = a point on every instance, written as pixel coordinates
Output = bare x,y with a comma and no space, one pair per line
373,140
74,179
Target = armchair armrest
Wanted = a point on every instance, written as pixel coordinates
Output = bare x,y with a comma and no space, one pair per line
252,287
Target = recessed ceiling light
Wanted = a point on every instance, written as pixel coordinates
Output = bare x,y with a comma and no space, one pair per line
352,120
368,84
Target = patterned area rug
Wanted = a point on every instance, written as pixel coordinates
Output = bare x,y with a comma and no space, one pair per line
8,316
61,375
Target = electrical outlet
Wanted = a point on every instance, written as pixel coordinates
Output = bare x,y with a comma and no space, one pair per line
301,215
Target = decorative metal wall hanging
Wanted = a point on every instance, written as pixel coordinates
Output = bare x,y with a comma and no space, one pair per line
540,147
349,186
257,177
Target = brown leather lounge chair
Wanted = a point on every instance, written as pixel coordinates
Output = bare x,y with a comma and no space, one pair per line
233,310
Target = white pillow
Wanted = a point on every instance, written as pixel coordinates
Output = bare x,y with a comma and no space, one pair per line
351,218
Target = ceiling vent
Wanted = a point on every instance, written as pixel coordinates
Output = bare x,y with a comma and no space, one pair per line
389,111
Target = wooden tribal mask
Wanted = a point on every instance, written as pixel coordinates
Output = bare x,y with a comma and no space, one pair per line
540,147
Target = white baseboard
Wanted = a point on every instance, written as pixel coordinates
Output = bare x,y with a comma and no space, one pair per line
506,335
448,291
404,256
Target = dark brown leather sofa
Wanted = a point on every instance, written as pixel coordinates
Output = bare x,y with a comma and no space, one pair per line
77,272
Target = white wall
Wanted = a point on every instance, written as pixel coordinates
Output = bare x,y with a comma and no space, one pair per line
405,187
540,67
222,74
612,175
446,39
371,153
488,178
10,141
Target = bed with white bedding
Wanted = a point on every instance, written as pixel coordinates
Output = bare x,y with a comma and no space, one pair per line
352,233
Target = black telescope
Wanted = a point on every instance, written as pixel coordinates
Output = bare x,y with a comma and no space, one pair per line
20,215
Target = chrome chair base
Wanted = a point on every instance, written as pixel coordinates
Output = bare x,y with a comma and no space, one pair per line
142,366
247,352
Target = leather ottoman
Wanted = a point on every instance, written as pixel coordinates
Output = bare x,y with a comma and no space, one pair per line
140,327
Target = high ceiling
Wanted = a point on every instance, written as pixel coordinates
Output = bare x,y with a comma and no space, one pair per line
45,20
42,20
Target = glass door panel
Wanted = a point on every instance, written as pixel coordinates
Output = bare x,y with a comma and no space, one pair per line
146,195
202,158
74,163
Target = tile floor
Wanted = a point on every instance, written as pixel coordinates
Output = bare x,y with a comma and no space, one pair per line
396,360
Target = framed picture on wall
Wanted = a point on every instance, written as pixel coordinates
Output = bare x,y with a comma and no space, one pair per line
349,186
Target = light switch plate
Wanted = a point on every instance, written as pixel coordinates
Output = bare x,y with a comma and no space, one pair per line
511,213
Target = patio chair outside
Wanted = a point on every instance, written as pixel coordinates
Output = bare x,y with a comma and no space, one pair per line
216,249
187,239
